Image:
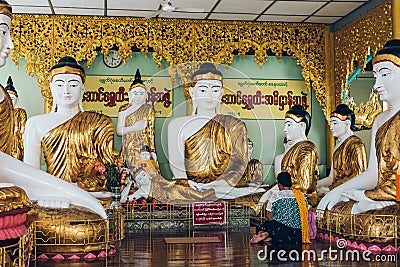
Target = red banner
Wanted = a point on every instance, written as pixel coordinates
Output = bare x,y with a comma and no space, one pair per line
209,213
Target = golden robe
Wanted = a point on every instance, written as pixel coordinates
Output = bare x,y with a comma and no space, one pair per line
6,123
253,174
374,225
387,145
349,160
217,151
19,128
168,192
70,148
301,161
134,141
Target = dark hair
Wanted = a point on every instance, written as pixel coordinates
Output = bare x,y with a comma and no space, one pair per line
392,47
344,110
300,112
145,149
68,61
138,80
284,179
206,67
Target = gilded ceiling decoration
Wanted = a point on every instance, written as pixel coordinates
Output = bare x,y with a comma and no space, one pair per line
42,40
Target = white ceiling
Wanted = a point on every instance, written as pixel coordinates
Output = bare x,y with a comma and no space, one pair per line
311,11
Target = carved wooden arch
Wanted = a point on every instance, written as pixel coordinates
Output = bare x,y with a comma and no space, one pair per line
42,40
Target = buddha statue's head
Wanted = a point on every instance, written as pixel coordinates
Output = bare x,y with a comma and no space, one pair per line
342,121
297,124
207,90
11,91
6,43
67,84
142,177
386,68
137,91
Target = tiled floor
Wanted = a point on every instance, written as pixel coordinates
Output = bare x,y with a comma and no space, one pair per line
150,249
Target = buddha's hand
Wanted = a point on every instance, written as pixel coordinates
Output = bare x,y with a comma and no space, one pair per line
139,125
195,186
53,202
322,191
331,198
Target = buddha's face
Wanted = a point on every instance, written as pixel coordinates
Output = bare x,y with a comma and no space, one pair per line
338,127
294,131
137,96
207,94
387,81
14,99
67,90
249,150
5,38
142,178
145,155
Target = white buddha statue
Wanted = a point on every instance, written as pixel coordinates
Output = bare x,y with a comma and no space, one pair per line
207,149
48,190
71,139
349,156
300,158
376,187
136,123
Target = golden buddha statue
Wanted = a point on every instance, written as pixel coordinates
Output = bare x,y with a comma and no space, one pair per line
300,158
254,170
208,149
369,216
349,156
19,122
71,139
136,123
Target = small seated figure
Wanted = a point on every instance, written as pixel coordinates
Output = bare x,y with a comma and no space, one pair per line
146,162
207,149
165,191
349,156
300,158
373,192
254,171
71,138
287,216
136,123
19,119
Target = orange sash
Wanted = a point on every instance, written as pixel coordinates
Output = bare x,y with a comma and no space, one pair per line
301,202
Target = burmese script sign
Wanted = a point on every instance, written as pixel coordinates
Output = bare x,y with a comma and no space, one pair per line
105,94
205,213
263,99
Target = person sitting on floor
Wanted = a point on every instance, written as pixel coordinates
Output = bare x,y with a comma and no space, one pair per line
287,216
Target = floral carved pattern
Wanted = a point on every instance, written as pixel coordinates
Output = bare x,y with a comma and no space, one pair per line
42,40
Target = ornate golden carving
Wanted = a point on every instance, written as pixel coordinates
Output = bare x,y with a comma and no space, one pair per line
355,41
42,40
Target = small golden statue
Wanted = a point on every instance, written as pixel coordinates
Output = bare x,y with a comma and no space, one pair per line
19,122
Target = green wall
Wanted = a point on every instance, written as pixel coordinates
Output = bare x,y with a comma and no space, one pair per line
267,135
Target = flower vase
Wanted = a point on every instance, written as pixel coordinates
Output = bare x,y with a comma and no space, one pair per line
115,197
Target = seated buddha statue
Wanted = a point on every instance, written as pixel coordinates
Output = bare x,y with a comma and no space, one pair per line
19,121
208,149
23,187
136,123
349,156
300,158
254,170
71,138
373,192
